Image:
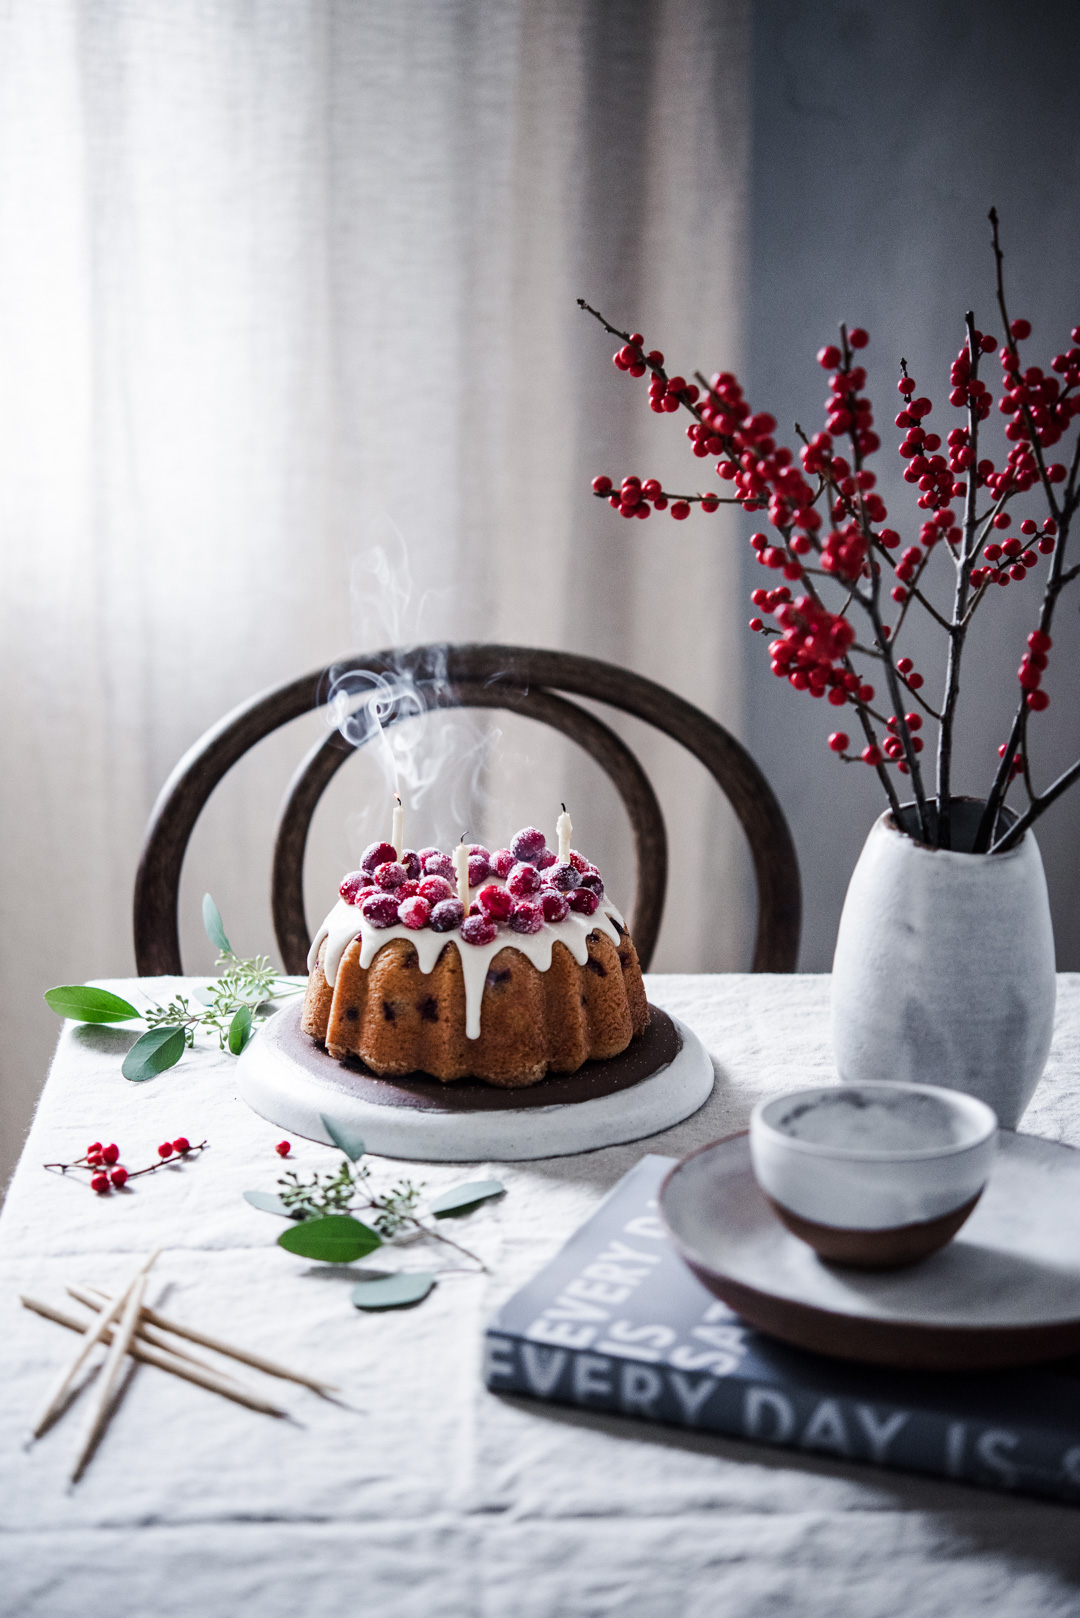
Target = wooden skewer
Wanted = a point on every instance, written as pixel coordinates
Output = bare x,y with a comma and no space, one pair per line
246,1356
122,1336
148,1334
189,1370
94,1334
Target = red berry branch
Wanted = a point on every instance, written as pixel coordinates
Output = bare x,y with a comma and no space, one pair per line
106,1171
829,531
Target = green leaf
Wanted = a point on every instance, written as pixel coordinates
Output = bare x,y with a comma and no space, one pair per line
240,1029
152,1053
466,1197
267,1202
351,1145
394,1291
89,1005
215,928
334,1239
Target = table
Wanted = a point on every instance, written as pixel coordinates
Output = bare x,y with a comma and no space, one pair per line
441,1500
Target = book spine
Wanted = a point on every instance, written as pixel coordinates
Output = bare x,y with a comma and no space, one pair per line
1017,1458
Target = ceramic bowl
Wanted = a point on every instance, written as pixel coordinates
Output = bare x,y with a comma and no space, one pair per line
876,1175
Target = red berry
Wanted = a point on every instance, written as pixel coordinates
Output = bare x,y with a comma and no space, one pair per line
904,665
1020,329
829,357
680,510
756,625
479,867
496,903
478,930
913,721
1038,700
438,864
839,741
556,907
94,1146
165,1149
857,337
1039,641
414,913
390,875
502,863
527,918
377,854
447,915
111,1154
523,881
181,1144
379,910
118,1177
601,484
584,901
1018,571
99,1183
915,681
579,862
407,890
434,888
528,845
871,754
1027,526
283,1148
592,880
353,884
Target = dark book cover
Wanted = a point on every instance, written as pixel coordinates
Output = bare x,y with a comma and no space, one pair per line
617,1322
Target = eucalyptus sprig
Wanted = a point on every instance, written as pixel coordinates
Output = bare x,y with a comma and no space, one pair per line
324,1212
243,990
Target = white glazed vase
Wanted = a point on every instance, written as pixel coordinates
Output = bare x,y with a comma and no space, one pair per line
944,966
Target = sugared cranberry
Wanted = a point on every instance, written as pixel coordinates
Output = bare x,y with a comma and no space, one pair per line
283,1148
578,861
496,903
528,844
584,901
390,875
425,854
479,867
434,888
407,890
414,912
118,1177
594,881
377,854
556,907
564,877
380,910
502,863
413,868
352,884
442,865
478,930
165,1149
99,1183
181,1144
447,915
546,860
111,1154
524,880
527,918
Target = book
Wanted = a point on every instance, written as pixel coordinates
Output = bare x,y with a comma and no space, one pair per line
617,1322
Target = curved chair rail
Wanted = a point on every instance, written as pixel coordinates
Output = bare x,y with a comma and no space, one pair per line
519,679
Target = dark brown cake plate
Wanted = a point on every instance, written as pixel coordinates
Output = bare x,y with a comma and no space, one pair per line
1005,1291
661,1078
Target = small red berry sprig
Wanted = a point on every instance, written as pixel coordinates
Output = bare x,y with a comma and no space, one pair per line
106,1171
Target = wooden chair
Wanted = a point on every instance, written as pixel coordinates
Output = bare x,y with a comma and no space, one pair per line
514,678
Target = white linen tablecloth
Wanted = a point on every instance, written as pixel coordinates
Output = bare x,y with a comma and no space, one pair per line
438,1499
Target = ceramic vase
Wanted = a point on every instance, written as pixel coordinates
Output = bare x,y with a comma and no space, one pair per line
944,965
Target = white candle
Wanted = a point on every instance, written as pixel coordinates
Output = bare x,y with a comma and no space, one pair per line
461,866
398,837
564,830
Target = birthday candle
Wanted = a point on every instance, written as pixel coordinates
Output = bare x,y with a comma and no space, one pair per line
398,836
461,866
564,830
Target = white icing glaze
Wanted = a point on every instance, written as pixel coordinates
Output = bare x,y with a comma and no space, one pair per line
344,923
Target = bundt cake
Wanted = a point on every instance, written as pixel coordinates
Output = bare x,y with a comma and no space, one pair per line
526,968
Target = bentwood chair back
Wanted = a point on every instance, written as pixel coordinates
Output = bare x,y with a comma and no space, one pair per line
521,680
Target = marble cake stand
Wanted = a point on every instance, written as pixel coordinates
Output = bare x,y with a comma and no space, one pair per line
662,1078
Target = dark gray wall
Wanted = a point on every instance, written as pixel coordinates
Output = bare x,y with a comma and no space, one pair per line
882,134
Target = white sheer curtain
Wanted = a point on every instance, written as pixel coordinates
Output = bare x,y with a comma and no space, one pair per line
280,281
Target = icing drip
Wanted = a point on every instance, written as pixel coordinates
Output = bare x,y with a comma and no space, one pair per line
344,924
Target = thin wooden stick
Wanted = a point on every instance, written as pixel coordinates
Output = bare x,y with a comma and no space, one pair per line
148,1334
122,1336
94,1334
188,1370
246,1356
